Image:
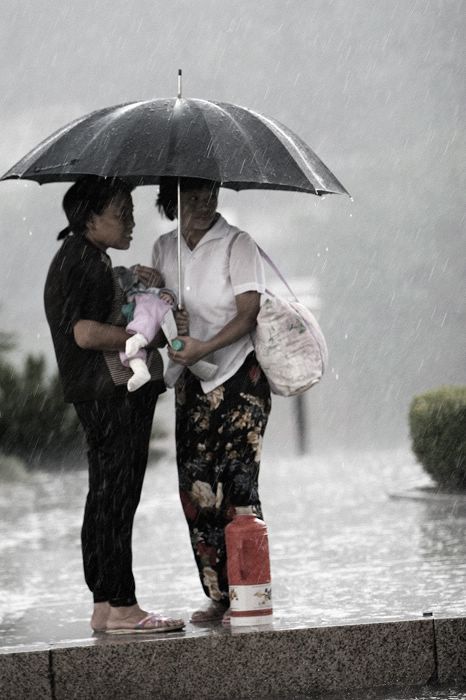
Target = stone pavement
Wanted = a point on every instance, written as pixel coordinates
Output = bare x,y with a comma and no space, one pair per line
344,555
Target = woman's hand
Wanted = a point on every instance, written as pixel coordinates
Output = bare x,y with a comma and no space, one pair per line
182,321
149,276
192,352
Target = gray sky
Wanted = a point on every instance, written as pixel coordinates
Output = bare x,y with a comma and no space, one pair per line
375,87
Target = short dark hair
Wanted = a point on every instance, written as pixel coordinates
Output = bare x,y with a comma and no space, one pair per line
89,195
167,200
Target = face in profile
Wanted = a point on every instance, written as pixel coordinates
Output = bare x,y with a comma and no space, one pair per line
113,228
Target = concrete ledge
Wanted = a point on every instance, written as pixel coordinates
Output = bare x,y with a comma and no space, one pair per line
26,676
450,637
249,664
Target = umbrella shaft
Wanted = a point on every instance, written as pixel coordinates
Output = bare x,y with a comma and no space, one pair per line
180,287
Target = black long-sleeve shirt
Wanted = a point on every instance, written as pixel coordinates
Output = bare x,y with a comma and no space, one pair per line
79,285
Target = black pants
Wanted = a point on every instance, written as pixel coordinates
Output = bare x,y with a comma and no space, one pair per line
218,444
118,432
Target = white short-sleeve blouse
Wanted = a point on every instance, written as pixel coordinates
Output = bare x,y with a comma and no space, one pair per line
224,263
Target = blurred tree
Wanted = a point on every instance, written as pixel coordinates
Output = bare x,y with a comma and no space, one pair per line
6,342
35,423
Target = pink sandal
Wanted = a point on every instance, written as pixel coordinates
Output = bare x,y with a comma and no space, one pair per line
152,623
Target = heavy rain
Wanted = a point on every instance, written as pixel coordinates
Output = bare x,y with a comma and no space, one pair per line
377,90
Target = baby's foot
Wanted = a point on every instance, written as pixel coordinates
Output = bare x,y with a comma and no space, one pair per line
141,374
134,344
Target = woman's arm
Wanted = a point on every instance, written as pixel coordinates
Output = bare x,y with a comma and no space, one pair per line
247,305
92,335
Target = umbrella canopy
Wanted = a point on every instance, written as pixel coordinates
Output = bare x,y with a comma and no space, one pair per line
141,141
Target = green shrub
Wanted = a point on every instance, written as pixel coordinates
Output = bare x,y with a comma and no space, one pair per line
12,469
35,423
437,421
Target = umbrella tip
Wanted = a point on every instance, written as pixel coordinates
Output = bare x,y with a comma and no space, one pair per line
179,82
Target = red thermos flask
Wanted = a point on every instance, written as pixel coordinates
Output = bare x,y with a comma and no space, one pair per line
249,580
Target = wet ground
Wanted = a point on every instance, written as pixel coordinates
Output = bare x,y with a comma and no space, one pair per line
342,550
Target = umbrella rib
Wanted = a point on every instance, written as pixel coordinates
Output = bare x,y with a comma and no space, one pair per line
102,125
238,126
52,139
274,126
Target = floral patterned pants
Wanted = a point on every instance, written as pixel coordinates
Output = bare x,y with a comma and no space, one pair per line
218,439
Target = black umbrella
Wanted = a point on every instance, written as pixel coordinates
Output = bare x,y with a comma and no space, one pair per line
142,141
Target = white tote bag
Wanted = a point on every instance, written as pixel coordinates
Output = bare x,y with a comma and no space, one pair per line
289,343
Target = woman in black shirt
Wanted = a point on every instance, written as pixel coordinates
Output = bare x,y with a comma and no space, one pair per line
79,302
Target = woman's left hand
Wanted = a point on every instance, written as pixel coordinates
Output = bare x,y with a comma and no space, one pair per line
191,353
149,276
182,321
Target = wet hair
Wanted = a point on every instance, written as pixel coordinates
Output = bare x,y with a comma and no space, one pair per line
167,201
90,195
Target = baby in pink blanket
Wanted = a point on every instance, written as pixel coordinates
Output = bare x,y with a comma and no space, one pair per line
145,310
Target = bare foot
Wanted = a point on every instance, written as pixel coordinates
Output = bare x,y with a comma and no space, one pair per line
128,620
213,611
100,616
125,617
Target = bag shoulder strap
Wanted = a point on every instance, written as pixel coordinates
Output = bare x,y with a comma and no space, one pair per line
269,261
276,270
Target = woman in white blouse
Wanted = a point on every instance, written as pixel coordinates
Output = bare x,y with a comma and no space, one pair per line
220,422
